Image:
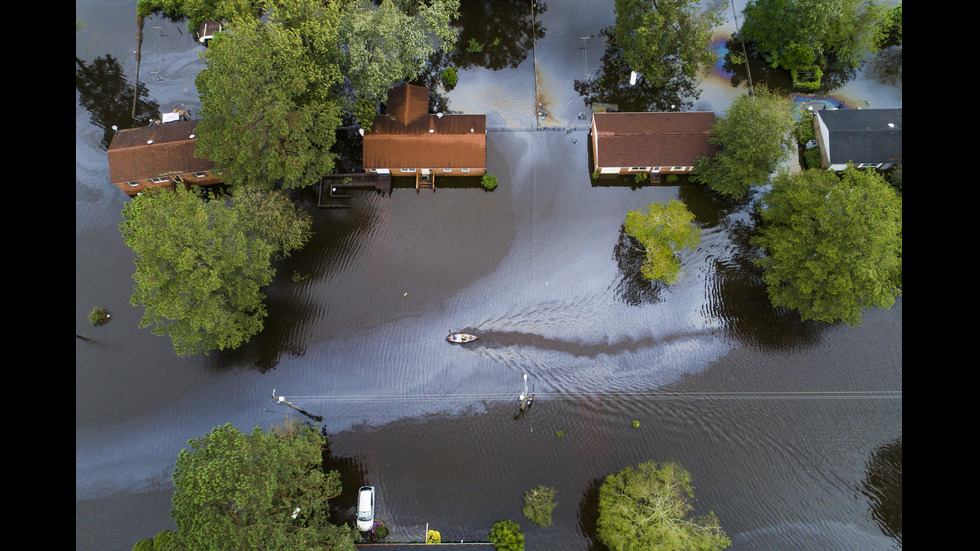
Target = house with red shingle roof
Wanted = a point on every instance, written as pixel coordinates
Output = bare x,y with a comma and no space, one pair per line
409,141
158,155
650,143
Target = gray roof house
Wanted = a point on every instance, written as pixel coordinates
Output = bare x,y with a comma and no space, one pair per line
868,138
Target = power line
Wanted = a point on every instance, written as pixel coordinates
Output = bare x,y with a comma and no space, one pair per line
650,395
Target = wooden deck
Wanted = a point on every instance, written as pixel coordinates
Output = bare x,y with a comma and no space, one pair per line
335,188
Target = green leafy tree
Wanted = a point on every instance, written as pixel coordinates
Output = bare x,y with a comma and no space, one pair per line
796,33
538,504
201,266
754,138
388,43
663,230
269,108
264,490
650,508
506,535
833,246
658,36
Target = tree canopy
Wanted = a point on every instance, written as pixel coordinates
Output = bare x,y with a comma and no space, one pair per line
269,109
754,139
649,508
506,535
796,33
657,37
389,43
264,490
663,230
833,245
201,265
276,89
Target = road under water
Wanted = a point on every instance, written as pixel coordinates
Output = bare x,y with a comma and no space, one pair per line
792,431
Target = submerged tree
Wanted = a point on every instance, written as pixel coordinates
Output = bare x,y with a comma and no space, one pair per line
754,139
611,84
797,33
268,107
663,230
539,502
658,38
389,43
833,246
264,490
201,265
650,508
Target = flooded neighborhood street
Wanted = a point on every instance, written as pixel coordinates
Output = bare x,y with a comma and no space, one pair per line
788,428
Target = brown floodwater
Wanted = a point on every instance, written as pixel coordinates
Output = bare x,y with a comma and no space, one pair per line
792,431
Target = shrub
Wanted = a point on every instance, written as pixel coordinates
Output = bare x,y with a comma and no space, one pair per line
560,433
636,424
449,77
538,505
506,536
807,78
433,537
489,182
99,316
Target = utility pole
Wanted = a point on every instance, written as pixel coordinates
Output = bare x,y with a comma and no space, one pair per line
282,400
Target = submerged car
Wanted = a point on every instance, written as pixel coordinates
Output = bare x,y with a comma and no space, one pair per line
365,508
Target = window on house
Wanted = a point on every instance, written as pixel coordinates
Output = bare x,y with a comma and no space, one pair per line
869,165
447,170
200,174
159,180
407,170
678,168
639,168
132,184
465,170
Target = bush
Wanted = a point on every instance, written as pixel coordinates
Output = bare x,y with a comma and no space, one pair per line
538,505
433,537
99,316
489,182
449,77
506,536
807,78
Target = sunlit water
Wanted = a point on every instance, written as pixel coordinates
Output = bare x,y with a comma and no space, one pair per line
780,422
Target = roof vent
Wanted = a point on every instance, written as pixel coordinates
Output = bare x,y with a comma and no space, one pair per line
439,115
192,136
148,142
432,131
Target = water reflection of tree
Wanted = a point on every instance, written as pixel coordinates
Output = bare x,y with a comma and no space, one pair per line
736,294
633,288
104,91
588,514
883,485
503,30
611,85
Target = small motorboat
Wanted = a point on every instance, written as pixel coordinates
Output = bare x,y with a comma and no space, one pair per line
461,338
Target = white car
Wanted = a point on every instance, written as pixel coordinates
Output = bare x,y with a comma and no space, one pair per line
365,508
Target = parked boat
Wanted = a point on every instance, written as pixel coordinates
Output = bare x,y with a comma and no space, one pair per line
461,338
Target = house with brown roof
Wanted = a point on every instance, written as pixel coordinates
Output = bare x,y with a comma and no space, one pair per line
409,141
650,143
158,155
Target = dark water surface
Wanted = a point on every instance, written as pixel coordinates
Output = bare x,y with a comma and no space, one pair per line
792,431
